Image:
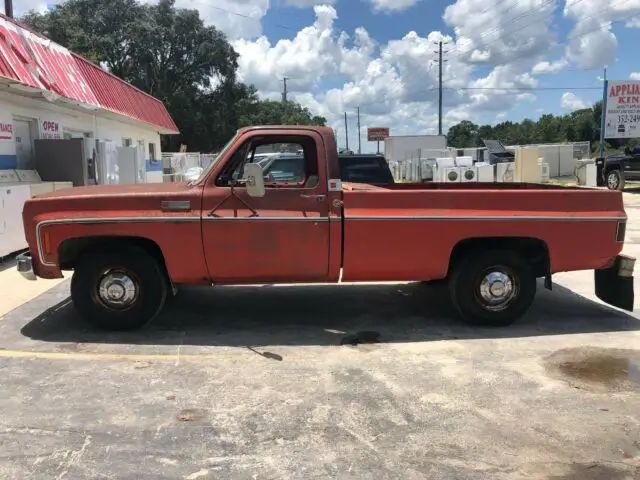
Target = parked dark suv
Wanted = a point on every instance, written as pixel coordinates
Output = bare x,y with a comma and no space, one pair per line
620,167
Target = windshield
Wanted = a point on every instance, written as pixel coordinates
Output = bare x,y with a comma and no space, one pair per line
206,171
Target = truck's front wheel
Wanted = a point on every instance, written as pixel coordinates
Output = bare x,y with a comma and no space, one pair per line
492,288
121,289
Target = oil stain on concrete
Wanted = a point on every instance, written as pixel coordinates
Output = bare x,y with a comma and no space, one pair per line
596,369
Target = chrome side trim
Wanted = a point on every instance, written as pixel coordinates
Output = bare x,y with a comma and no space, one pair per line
154,219
266,219
545,218
59,221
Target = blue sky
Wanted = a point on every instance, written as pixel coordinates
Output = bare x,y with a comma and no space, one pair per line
378,54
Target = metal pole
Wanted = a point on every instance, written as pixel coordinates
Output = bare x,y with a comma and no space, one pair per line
359,138
346,131
284,92
604,109
8,8
440,90
378,147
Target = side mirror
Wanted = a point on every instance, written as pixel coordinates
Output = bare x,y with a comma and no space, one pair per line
254,180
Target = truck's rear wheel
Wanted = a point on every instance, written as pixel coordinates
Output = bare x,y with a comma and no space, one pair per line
615,180
492,288
121,289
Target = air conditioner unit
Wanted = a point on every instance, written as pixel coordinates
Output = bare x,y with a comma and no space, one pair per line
450,174
468,174
544,172
486,173
505,172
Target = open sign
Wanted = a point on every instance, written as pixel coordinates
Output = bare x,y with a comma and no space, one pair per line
50,129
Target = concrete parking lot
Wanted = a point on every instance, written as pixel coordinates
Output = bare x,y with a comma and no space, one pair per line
266,382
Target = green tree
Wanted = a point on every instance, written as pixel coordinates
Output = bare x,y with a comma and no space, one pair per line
171,54
278,113
463,135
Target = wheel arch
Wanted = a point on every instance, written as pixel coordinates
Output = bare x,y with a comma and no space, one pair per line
71,249
531,247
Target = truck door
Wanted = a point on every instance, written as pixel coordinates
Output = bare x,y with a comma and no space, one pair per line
282,236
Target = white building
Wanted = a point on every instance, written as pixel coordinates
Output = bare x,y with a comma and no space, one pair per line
48,92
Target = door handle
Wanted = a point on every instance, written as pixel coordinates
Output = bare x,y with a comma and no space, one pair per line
319,198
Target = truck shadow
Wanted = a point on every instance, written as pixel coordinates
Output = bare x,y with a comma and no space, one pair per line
327,315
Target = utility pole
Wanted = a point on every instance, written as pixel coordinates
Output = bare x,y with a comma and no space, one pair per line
284,92
8,8
440,63
346,131
359,138
604,110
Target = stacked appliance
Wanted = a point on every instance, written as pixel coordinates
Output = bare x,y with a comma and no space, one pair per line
505,172
486,172
527,168
13,196
446,170
545,171
468,172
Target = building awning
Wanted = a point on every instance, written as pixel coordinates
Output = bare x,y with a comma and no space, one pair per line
34,63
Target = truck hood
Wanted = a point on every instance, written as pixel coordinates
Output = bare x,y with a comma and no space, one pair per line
135,189
617,157
143,198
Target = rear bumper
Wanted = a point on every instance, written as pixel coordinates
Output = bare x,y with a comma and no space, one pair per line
25,266
614,285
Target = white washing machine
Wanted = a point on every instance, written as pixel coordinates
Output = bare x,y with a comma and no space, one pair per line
450,175
464,161
13,195
505,172
62,185
441,164
32,178
468,174
486,173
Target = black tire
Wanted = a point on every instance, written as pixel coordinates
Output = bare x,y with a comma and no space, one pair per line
615,180
466,287
128,266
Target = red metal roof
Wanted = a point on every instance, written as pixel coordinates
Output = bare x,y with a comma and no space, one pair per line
120,97
33,60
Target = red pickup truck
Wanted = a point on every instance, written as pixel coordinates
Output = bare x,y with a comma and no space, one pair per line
131,246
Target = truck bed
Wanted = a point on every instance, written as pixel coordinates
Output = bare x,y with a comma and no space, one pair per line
411,229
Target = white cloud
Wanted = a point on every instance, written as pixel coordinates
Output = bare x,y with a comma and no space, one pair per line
301,3
236,18
570,101
592,42
634,76
393,5
500,32
549,67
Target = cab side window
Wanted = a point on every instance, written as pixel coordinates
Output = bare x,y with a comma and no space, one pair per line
289,161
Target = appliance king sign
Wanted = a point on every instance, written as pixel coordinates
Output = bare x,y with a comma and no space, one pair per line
622,119
50,129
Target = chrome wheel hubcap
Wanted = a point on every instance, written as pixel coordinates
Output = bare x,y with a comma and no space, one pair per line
117,290
613,181
497,290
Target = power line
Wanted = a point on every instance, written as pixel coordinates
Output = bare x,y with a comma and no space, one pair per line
525,14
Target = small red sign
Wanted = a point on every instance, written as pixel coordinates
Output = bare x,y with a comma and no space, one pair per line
6,131
377,134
